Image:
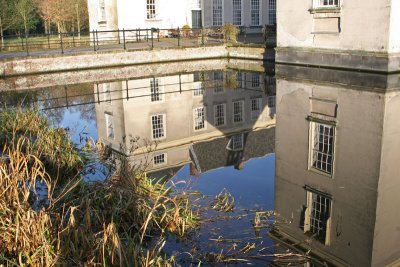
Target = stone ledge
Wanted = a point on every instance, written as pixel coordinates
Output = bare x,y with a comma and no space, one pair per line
364,61
107,59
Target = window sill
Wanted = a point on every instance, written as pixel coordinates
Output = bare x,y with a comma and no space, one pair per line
153,20
316,10
315,170
102,22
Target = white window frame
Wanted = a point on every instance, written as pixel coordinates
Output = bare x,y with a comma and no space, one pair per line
237,17
255,12
197,120
240,77
236,142
160,159
218,117
238,111
155,136
156,90
256,108
271,12
198,89
255,80
319,154
312,215
110,131
196,4
326,3
102,11
151,9
218,78
217,13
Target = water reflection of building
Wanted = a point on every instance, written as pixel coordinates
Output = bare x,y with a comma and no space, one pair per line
181,110
337,140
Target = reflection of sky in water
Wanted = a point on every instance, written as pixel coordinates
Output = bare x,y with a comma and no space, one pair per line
72,120
253,190
252,187
79,130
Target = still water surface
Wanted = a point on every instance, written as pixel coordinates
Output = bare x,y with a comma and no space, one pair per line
319,180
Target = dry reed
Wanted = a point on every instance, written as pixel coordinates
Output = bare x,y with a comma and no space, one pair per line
78,223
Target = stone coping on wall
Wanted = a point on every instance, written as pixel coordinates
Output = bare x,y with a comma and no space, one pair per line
106,59
353,60
356,80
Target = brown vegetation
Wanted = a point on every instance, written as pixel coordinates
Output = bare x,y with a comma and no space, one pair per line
77,223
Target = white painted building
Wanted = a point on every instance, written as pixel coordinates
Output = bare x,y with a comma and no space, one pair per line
246,13
130,15
166,14
358,34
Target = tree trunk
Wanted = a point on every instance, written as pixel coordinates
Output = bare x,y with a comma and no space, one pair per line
25,25
1,33
78,21
58,29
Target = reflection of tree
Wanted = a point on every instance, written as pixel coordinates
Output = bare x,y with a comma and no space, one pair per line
14,99
79,98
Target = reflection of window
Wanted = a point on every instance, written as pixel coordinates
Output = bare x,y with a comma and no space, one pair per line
271,101
238,111
317,216
156,94
269,80
255,108
198,89
255,12
102,10
109,125
151,9
160,159
272,12
158,126
219,114
326,3
107,92
217,13
255,80
198,114
236,142
218,81
240,80
237,12
323,137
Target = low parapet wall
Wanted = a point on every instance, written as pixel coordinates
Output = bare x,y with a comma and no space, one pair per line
59,63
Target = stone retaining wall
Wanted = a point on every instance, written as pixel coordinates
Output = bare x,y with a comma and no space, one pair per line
48,64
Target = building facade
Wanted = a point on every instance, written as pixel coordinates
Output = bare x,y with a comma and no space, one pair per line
105,15
245,13
179,111
336,174
363,35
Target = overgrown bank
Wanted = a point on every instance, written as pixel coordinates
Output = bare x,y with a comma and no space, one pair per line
78,223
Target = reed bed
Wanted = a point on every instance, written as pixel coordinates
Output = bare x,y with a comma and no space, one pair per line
119,222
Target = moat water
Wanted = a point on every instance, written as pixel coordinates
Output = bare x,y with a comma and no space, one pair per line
304,155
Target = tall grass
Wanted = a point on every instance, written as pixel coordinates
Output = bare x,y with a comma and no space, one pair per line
119,222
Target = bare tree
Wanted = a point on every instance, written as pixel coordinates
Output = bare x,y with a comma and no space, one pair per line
25,14
81,14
